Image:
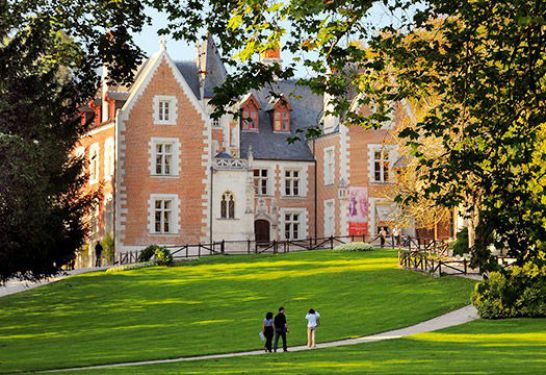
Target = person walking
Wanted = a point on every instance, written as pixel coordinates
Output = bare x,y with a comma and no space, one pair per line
98,254
313,321
382,236
268,331
281,328
396,236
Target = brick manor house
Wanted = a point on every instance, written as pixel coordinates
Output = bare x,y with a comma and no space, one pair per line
171,175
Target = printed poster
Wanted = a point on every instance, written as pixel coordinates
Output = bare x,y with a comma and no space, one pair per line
358,211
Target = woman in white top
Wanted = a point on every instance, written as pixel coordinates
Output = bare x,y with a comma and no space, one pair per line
313,322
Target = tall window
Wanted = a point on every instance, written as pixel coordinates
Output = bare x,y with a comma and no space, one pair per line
163,158
381,166
260,181
164,110
163,222
329,218
250,118
329,165
292,226
281,120
292,182
94,163
227,206
108,158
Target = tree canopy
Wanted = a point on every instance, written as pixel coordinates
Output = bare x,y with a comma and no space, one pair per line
50,52
484,60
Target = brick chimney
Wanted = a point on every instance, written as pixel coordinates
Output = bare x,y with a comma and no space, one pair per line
272,56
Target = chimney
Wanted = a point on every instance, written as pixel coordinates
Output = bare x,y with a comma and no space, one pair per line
272,56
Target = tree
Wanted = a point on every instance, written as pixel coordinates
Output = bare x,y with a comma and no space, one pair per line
484,59
49,55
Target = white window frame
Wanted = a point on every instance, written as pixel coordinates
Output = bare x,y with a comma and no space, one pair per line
302,223
329,218
329,165
173,110
290,182
388,154
175,158
174,225
258,181
108,158
94,163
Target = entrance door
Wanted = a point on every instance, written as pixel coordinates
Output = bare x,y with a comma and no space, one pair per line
261,231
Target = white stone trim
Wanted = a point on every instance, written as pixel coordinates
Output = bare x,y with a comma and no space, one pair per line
175,172
332,231
270,167
329,180
100,129
393,156
94,148
109,155
303,225
175,227
173,109
303,178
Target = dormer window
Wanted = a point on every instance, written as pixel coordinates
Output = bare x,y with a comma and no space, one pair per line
250,119
250,113
281,115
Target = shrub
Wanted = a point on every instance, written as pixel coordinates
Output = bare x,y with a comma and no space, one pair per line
163,256
354,246
127,267
147,254
519,292
108,249
460,245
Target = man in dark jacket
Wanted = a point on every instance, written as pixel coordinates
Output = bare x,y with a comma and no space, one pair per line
281,328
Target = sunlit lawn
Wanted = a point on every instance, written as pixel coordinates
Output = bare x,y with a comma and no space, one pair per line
214,305
482,347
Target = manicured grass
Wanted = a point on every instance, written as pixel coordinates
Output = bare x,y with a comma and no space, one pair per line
214,305
515,346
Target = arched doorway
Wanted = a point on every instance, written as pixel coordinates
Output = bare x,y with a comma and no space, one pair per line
261,231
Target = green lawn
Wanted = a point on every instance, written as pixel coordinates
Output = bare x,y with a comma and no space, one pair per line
515,346
214,305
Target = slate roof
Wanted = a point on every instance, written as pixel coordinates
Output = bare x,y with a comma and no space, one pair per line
307,109
215,70
191,75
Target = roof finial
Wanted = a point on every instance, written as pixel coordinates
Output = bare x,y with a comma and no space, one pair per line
162,43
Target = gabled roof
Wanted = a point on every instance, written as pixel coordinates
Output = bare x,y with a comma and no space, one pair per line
266,144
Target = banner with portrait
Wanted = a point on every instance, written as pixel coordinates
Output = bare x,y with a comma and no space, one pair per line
358,211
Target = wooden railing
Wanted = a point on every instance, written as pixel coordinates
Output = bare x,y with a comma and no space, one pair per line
248,247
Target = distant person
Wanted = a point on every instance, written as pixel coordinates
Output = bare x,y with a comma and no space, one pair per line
268,331
281,328
313,321
98,254
382,236
396,236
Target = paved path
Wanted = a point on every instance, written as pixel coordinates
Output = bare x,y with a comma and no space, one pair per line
16,286
454,318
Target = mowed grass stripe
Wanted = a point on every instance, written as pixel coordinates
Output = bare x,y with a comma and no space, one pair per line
515,346
214,305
